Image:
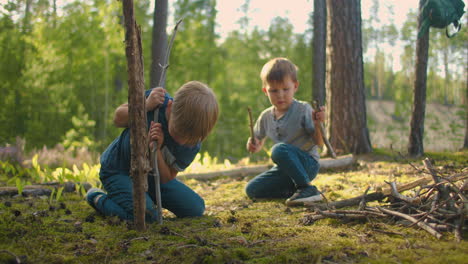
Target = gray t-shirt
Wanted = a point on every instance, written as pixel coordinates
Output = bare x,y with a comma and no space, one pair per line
295,127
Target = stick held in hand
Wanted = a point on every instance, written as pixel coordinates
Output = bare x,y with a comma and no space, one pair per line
251,125
154,157
316,108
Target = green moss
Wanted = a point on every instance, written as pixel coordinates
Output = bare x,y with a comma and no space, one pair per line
234,229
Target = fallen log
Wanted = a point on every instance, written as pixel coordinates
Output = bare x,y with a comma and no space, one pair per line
30,190
41,189
327,163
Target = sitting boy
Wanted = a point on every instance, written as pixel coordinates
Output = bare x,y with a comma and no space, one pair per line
183,123
290,124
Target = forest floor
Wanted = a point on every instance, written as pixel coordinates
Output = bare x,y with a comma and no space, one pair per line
234,228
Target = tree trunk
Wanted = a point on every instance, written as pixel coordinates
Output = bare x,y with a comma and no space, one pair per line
159,44
415,146
211,10
319,52
465,144
345,81
446,55
139,167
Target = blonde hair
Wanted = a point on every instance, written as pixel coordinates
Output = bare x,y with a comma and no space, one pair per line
194,112
277,69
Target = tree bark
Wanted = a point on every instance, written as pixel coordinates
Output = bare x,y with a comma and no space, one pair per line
139,167
465,144
345,81
415,145
159,44
319,52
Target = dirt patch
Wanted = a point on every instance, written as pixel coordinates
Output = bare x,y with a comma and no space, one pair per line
444,126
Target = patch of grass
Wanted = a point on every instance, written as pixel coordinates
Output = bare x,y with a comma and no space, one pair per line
449,160
234,228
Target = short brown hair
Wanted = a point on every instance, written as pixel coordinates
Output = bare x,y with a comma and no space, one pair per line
277,69
194,112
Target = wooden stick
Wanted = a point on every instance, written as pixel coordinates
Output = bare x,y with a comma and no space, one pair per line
362,203
251,125
154,158
322,130
396,194
459,223
349,202
422,225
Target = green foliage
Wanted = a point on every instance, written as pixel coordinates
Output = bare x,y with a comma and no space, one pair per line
21,176
63,70
79,136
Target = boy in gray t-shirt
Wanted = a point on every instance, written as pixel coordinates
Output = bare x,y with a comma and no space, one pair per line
291,125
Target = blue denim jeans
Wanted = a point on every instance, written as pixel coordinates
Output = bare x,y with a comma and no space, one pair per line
175,197
293,169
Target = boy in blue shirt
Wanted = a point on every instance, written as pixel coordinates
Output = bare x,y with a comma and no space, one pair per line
183,123
291,125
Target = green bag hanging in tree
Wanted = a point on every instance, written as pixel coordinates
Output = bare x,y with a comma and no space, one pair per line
440,14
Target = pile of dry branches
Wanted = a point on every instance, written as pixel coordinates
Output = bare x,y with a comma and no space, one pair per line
440,204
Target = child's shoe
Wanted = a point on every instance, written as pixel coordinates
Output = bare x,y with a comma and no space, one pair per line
307,194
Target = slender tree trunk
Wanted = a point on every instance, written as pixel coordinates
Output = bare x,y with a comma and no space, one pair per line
159,44
139,166
465,144
54,13
211,39
106,97
319,52
416,147
446,51
345,81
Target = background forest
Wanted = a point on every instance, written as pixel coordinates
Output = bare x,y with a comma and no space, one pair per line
64,71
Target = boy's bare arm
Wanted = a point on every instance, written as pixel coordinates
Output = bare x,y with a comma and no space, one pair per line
166,172
155,98
318,138
155,134
121,116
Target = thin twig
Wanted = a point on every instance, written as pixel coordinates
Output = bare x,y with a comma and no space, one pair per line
396,194
17,259
412,219
362,204
251,125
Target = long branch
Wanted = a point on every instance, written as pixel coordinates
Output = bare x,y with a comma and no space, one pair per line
429,229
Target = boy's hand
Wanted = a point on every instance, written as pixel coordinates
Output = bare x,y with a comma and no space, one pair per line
156,134
155,98
319,115
251,147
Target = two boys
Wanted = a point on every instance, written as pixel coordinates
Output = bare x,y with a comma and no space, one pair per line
187,119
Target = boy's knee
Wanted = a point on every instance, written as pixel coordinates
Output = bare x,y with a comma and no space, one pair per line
249,191
279,151
252,191
197,210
